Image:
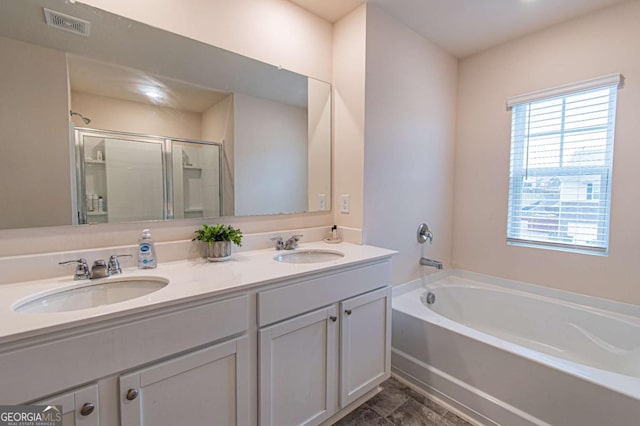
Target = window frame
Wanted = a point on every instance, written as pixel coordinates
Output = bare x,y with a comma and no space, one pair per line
519,170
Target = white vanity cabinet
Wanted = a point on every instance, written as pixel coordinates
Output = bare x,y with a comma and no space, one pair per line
80,407
293,349
209,386
313,364
298,368
365,342
158,354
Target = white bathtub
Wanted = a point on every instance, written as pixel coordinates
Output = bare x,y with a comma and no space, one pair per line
518,354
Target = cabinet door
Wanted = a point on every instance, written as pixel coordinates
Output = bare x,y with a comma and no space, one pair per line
365,343
297,370
79,407
206,387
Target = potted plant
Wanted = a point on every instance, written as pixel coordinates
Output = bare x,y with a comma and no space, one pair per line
218,238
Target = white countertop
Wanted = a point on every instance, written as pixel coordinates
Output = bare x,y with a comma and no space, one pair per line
188,280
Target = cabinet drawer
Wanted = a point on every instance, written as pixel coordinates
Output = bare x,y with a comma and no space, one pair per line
291,300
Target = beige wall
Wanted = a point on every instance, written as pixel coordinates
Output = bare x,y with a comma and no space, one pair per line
217,126
349,42
135,117
319,141
34,142
217,119
270,151
409,138
273,31
597,44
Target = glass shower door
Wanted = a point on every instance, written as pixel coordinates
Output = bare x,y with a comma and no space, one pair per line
134,180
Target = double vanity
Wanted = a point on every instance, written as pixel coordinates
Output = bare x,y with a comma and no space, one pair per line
269,338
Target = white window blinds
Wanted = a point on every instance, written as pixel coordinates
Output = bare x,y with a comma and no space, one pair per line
561,161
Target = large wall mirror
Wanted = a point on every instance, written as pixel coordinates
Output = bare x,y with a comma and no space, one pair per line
107,120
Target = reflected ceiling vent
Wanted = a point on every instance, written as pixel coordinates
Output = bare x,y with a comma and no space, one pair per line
67,23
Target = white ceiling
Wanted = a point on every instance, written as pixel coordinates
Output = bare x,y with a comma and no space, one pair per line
464,27
137,46
329,10
114,81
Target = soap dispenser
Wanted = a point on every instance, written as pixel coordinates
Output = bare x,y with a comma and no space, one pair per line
146,252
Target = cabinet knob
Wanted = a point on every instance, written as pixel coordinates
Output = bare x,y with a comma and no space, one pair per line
87,408
347,311
333,318
132,394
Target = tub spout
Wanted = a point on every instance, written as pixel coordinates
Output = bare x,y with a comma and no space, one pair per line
430,262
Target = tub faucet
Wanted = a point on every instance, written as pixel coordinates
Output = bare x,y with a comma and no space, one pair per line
430,262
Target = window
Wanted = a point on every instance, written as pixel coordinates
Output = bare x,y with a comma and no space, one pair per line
561,163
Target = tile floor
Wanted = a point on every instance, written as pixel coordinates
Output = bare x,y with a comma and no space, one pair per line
398,404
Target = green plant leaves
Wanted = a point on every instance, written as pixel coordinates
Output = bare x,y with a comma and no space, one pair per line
219,232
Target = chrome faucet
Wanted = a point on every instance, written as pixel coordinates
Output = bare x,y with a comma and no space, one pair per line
430,262
290,244
279,243
99,269
114,264
82,268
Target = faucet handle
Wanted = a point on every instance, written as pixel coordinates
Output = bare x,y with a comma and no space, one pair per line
279,242
81,261
82,268
292,242
424,234
114,263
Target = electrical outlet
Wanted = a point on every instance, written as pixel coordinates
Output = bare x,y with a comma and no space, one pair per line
322,201
344,203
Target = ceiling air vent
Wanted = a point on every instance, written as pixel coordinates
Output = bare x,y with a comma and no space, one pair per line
66,22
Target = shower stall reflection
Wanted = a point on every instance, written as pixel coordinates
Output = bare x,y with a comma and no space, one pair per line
196,179
124,177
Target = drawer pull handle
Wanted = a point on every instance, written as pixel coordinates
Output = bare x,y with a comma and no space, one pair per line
333,318
132,394
87,408
347,311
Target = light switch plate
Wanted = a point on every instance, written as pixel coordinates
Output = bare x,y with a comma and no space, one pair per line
344,203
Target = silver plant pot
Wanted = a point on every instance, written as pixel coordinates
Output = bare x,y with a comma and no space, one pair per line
218,251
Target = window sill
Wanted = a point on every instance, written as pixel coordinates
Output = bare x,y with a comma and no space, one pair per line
558,248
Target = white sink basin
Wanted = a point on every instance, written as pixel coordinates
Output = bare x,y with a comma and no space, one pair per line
91,295
309,256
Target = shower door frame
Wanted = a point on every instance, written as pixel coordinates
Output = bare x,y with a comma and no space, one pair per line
169,177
